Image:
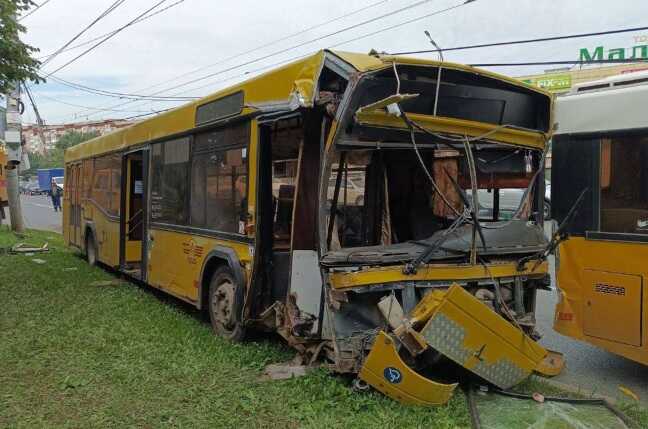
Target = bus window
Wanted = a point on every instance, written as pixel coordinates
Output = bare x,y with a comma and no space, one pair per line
351,224
286,139
88,170
624,185
101,184
169,187
219,180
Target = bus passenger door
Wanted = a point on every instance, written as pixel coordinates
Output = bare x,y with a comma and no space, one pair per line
73,190
132,228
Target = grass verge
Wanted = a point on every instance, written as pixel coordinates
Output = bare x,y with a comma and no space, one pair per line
77,355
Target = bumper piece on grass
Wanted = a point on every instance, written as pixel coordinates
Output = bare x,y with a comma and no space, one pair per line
465,330
385,371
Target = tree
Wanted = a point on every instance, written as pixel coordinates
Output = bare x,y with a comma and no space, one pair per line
16,62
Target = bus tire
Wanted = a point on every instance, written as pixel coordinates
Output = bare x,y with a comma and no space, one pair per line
225,305
91,250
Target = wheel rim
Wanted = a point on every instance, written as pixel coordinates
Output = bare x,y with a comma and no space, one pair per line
222,304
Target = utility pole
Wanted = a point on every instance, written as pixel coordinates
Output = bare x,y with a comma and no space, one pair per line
13,141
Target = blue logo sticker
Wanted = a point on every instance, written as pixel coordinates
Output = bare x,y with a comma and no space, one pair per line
393,375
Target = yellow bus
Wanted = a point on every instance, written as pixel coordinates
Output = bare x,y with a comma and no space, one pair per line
600,150
335,201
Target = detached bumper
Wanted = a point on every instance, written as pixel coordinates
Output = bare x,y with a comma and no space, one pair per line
385,371
462,328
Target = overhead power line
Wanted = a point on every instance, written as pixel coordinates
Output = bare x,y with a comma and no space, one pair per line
103,14
96,45
87,42
34,10
273,42
39,120
519,42
307,42
337,44
342,30
550,63
134,97
354,12
402,9
56,100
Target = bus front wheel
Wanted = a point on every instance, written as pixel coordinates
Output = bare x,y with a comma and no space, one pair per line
225,302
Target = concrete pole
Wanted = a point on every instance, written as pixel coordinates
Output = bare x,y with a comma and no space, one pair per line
13,142
13,194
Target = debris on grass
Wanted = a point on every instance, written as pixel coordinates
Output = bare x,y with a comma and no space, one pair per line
629,393
39,261
27,249
538,397
70,269
284,371
103,283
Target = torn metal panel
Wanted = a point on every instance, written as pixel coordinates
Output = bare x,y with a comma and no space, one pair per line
385,371
474,336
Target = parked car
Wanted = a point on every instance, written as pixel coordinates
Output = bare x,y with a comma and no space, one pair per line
509,202
34,189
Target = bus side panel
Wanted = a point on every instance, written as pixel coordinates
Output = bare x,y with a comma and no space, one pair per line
594,272
107,238
176,260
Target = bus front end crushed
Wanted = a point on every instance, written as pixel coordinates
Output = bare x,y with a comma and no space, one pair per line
432,206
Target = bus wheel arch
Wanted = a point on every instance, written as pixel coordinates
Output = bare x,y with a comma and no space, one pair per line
222,290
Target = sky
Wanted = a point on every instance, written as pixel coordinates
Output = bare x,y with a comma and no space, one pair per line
234,41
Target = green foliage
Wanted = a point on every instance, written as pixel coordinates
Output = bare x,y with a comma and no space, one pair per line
54,157
16,63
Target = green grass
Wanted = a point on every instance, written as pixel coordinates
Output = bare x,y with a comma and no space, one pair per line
77,355
74,354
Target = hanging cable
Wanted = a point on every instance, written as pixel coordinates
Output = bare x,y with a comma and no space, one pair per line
321,38
94,39
103,14
518,42
33,10
96,45
557,63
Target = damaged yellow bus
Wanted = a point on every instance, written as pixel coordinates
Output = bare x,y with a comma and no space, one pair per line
336,201
600,150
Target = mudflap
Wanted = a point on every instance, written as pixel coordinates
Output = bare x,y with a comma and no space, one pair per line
385,371
470,333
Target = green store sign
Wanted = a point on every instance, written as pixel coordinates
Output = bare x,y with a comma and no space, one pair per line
555,82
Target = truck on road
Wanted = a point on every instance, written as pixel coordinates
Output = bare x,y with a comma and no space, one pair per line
45,176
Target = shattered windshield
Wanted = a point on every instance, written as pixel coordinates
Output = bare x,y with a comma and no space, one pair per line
384,197
407,191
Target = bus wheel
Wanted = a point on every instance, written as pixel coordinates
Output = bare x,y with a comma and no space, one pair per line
225,300
91,250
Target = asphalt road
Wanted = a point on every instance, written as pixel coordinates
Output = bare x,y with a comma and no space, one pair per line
38,213
587,367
